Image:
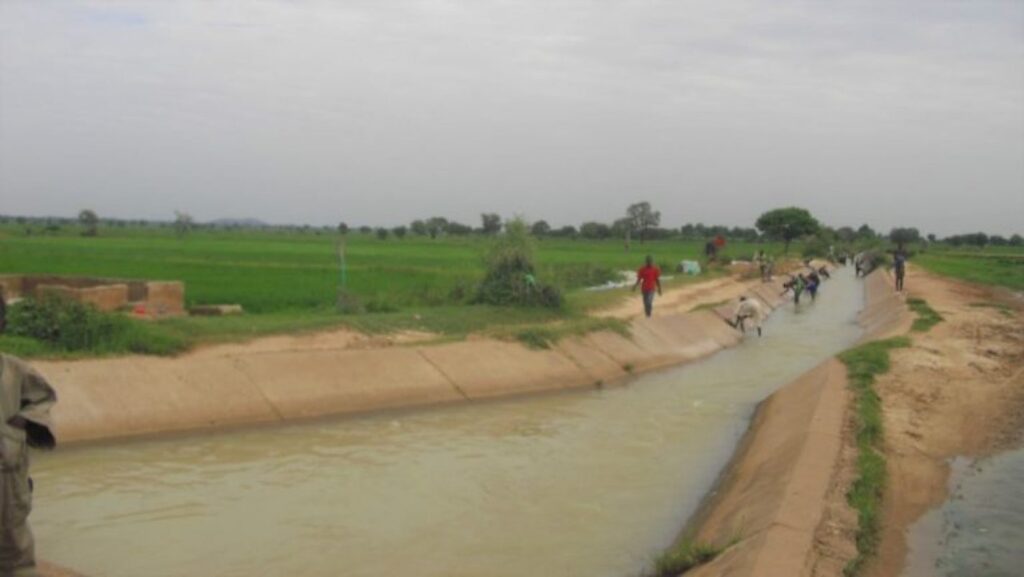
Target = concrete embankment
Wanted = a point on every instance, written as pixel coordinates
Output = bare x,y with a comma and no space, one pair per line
776,494
110,398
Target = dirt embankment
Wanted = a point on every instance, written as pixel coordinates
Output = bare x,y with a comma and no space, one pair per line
959,390
782,498
294,377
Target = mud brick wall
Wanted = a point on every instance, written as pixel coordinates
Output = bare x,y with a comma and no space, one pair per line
109,298
165,298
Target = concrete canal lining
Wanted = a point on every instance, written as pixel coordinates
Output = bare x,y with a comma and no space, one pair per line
132,396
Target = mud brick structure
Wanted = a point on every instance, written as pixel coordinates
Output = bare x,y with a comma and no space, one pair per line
141,297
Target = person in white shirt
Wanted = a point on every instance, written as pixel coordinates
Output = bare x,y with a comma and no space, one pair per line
748,309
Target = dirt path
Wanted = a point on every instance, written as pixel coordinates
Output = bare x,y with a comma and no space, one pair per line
959,390
682,299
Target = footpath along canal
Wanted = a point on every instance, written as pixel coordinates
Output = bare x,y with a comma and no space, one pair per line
591,483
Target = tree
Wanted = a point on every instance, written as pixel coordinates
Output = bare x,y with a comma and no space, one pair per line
458,229
382,233
903,236
846,234
365,229
642,218
436,225
182,223
931,238
567,231
399,232
491,223
787,224
342,228
419,227
595,230
865,232
1016,240
540,228
89,221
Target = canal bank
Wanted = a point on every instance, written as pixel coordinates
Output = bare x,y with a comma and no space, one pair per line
252,384
780,506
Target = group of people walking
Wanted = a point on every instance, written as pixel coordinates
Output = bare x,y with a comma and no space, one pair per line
748,310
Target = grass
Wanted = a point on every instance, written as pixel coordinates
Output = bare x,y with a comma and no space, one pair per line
710,306
1005,310
288,281
268,271
863,364
927,317
991,266
544,336
684,556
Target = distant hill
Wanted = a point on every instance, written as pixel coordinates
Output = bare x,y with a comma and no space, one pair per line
238,223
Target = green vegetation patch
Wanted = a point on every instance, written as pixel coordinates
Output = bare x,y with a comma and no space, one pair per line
546,335
683,557
927,317
63,326
1005,310
863,364
989,267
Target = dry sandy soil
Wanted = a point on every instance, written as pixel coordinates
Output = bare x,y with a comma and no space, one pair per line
959,390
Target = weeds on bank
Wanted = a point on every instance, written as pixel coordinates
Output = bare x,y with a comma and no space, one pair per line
683,557
546,335
863,364
53,325
1003,309
710,306
927,317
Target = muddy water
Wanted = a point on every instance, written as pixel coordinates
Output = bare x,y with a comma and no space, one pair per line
587,483
980,529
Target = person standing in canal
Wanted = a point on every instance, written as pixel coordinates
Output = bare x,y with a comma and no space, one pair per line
25,402
648,278
747,309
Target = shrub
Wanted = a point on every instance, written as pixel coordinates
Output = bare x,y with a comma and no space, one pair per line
70,326
511,277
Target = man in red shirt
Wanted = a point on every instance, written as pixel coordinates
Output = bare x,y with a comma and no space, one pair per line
648,278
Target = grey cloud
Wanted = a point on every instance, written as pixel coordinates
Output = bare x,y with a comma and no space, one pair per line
380,112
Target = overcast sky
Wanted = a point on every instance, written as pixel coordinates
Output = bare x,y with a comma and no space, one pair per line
377,112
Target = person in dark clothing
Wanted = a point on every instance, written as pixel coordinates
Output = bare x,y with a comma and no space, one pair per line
813,282
899,268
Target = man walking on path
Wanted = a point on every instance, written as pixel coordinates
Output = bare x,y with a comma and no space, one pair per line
25,401
747,309
648,278
899,268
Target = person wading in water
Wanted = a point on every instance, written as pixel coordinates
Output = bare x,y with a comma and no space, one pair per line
648,278
747,309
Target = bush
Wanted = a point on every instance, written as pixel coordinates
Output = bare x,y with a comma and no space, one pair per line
510,279
816,247
70,326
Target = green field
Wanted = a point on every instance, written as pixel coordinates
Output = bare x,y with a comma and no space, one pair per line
999,266
289,281
272,272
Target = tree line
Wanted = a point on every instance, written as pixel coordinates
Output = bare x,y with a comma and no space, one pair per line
640,223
